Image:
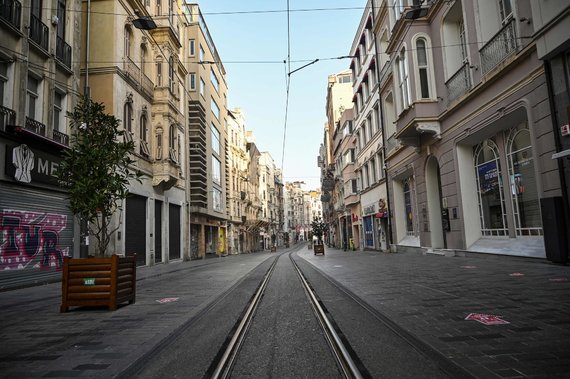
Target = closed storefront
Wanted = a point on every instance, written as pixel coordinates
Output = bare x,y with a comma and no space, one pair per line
135,228
37,232
157,231
173,232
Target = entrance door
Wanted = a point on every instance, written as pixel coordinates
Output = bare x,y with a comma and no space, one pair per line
157,231
434,204
173,232
135,228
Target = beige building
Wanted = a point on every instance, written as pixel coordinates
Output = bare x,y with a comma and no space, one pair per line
139,76
237,174
39,83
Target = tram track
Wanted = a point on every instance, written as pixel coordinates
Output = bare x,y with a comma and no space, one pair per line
349,365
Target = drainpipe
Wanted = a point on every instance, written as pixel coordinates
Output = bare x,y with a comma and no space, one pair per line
388,203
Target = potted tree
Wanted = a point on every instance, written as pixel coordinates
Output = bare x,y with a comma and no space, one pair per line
96,171
318,228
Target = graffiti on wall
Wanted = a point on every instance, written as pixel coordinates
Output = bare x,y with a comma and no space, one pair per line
31,240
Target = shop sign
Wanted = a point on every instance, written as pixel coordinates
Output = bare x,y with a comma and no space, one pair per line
26,165
88,281
488,176
369,210
328,184
354,217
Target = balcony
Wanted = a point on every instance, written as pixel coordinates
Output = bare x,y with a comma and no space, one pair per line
459,83
165,174
132,70
7,117
503,44
60,138
39,33
147,86
35,127
11,11
63,52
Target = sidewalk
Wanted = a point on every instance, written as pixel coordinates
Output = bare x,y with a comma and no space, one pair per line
39,341
431,296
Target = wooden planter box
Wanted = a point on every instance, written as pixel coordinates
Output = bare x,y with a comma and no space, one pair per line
319,249
107,281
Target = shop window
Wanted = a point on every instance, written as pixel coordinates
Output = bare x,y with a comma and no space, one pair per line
490,189
524,193
408,203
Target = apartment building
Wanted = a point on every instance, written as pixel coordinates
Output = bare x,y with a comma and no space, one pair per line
339,98
139,76
470,158
254,210
39,83
237,177
208,178
367,123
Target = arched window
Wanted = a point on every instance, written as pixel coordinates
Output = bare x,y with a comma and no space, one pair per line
172,143
403,79
524,192
143,59
128,117
128,38
144,150
423,69
490,189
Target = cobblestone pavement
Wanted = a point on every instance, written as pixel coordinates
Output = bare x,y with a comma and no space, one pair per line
430,297
425,296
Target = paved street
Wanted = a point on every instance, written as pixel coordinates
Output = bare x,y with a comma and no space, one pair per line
425,299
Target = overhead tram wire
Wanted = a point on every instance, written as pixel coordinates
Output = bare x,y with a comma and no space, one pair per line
287,86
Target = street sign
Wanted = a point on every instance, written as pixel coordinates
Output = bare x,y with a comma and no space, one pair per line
486,319
88,281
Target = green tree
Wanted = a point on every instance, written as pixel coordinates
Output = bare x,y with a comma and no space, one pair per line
96,169
318,228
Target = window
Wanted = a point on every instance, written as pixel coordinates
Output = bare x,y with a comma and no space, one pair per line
159,74
192,79
172,143
159,144
408,207
171,74
58,111
365,177
61,19
202,54
215,108
128,119
397,9
422,68
3,83
32,97
463,41
202,86
214,81
505,10
144,54
144,150
215,139
128,38
344,79
217,200
490,189
159,7
216,170
191,47
403,80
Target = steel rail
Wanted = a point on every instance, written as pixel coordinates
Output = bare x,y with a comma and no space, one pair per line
345,361
227,360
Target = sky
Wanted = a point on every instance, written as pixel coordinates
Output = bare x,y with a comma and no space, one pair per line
243,34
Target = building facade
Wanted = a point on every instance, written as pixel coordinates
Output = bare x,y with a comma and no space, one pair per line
39,83
473,136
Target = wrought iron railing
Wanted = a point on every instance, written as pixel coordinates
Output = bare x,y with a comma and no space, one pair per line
147,85
63,52
459,83
391,143
131,69
499,47
61,138
35,126
10,11
39,32
7,117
